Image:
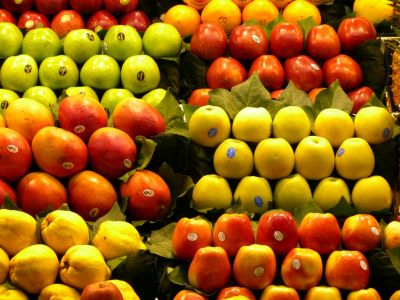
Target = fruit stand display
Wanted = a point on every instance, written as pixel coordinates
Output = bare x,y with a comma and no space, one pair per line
199,149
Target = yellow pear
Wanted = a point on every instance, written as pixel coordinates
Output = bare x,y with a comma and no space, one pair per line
58,291
117,238
82,265
4,265
62,229
34,268
127,291
10,294
17,231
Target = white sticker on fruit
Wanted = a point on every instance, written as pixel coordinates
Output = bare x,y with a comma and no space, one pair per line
192,236
256,39
127,163
278,235
148,193
363,265
12,148
315,67
374,230
29,24
65,18
296,264
67,165
258,271
79,128
221,236
212,132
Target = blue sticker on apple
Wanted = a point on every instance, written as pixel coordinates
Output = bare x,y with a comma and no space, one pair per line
386,133
212,132
340,152
231,152
258,201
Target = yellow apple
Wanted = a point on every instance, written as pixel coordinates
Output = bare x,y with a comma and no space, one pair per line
323,292
329,191
209,126
252,124
291,192
335,125
374,124
364,294
274,158
314,158
253,194
233,159
354,159
291,123
371,194
391,235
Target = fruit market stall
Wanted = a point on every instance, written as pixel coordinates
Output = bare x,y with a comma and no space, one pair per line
199,149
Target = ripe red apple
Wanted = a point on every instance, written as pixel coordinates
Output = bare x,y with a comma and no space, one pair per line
322,42
6,190
345,69
286,40
275,94
209,41
269,70
355,31
50,7
32,19
359,97
120,6
137,19
6,16
232,231
101,20
348,270
225,72
87,6
65,21
232,291
19,6
199,96
247,42
101,291
278,230
304,72
320,232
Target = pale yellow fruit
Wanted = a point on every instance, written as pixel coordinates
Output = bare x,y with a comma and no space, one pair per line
274,158
371,194
34,268
354,159
314,158
82,265
117,238
391,235
58,291
209,125
323,292
233,159
62,229
9,294
374,124
252,124
374,10
329,191
292,192
253,194
291,123
4,265
127,291
17,231
335,125
212,191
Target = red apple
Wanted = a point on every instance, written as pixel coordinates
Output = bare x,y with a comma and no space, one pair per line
209,41
232,291
137,19
232,231
322,42
278,230
359,97
225,72
19,6
101,20
276,94
120,6
269,70
355,31
320,232
304,72
101,291
348,270
189,295
286,40
247,42
31,19
345,69
65,21
6,16
199,96
6,191
87,6
50,7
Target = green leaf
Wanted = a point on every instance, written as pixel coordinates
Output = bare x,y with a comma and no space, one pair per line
306,25
179,275
114,263
225,99
374,101
188,111
170,111
179,184
271,24
310,207
273,106
394,255
9,286
123,203
9,204
294,96
160,241
342,209
333,97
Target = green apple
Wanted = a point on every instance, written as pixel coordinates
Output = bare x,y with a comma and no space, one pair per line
83,90
371,194
162,40
100,72
354,159
122,41
43,94
112,97
314,158
335,125
206,189
233,159
81,44
291,192
291,123
329,191
18,73
154,97
10,39
374,124
274,158
253,194
252,124
140,74
209,126
6,97
41,43
58,72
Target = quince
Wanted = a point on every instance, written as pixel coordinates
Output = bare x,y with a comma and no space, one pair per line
10,294
59,291
127,291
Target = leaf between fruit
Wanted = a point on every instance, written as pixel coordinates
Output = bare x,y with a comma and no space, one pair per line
342,209
160,241
333,97
300,212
